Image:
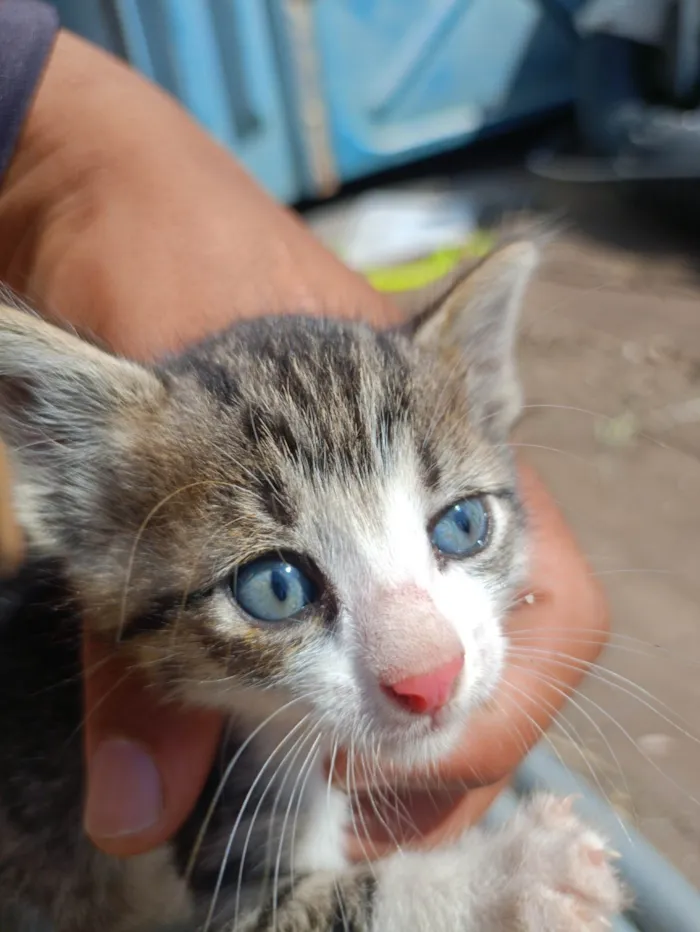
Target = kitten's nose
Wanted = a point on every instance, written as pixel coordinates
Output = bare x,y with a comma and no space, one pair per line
429,692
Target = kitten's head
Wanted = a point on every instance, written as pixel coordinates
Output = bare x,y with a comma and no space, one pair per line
296,510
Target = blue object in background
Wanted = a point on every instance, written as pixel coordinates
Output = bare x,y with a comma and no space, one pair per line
404,79
312,94
217,57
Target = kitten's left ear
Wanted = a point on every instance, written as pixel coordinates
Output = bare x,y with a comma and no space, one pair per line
477,320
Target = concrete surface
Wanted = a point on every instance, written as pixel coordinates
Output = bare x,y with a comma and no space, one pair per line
612,342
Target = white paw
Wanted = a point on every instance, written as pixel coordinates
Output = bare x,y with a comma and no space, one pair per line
562,874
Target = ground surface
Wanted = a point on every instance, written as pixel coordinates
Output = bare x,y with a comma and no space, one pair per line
612,337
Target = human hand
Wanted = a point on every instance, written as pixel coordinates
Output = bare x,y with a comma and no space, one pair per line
121,215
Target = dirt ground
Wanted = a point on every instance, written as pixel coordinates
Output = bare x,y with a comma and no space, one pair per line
611,353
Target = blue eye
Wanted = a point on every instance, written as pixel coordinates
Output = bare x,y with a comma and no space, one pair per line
462,530
271,589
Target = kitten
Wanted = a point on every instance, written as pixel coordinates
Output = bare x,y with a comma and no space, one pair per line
314,527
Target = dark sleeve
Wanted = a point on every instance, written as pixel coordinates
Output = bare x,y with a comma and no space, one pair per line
27,32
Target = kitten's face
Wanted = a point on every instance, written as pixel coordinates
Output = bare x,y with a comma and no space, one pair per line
295,511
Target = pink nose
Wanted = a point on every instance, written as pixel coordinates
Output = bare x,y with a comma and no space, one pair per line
430,691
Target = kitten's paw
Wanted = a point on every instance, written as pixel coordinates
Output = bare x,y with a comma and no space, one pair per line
563,879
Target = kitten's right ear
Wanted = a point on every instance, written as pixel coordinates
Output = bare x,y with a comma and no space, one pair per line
57,386
63,403
475,318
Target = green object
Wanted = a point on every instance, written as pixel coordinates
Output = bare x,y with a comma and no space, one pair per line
416,274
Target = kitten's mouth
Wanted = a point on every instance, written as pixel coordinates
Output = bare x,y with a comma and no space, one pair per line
421,739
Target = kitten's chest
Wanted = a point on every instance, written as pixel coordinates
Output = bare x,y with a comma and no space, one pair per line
266,811
321,845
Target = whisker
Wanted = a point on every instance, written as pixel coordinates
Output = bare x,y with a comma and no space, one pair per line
397,805
331,770
599,415
251,789
627,735
645,571
380,819
631,644
600,673
292,753
222,784
559,719
574,457
538,728
307,767
314,728
351,763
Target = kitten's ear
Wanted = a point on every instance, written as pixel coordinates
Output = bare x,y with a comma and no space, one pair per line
476,318
64,404
59,387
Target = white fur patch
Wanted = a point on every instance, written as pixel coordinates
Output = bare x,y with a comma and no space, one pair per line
322,846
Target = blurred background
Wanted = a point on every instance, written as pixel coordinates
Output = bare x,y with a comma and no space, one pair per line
409,132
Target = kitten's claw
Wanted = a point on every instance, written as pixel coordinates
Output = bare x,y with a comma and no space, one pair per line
565,882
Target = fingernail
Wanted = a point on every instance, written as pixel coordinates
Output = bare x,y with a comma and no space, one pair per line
124,792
